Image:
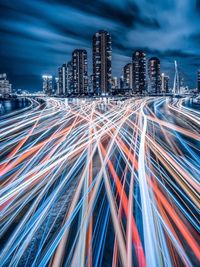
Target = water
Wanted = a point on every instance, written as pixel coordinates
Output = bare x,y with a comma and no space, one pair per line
9,105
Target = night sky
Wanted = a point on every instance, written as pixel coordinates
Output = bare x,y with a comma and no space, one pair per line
37,36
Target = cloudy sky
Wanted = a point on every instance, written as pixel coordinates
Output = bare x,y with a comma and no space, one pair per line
36,36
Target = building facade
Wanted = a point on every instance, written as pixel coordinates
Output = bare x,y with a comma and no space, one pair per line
154,75
139,72
114,82
47,84
128,76
69,74
56,85
65,79
5,86
90,84
102,56
61,80
80,71
164,84
121,83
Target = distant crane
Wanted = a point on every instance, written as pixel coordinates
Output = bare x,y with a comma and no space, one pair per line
176,88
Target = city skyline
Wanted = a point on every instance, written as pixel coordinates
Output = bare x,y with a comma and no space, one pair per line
62,28
138,77
99,133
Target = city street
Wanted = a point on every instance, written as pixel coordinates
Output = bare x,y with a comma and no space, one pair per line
100,182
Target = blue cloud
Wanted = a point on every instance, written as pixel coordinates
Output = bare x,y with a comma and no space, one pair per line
38,36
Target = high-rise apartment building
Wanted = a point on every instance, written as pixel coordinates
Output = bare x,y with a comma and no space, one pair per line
154,75
5,86
139,72
114,83
56,85
80,71
128,76
164,83
65,78
102,55
47,84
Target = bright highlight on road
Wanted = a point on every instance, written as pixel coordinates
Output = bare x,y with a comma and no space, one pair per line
100,183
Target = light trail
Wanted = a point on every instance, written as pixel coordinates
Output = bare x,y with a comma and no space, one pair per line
100,182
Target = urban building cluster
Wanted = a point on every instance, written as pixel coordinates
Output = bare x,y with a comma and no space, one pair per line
5,86
140,76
